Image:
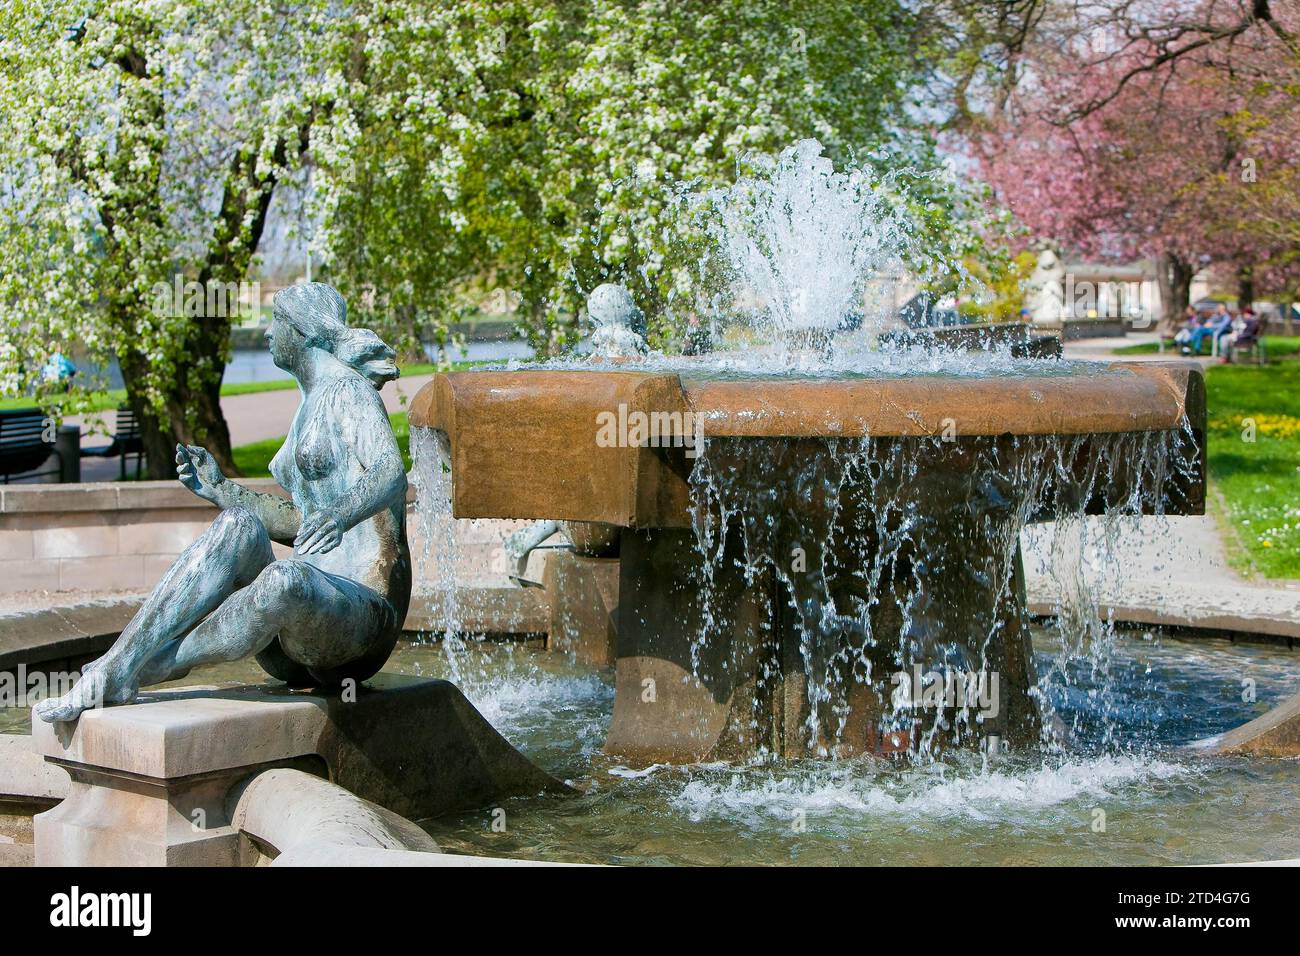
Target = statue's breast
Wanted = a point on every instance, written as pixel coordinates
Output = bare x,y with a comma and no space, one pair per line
318,451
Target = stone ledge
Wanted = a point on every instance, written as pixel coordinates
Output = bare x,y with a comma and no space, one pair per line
120,496
414,746
84,631
1280,627
62,633
354,856
25,776
112,496
484,610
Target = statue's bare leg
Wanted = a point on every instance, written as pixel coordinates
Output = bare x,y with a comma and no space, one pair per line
227,557
526,540
324,623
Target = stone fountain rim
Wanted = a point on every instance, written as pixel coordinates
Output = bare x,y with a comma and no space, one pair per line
1149,396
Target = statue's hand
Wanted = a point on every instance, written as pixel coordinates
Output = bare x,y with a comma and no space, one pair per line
198,471
320,532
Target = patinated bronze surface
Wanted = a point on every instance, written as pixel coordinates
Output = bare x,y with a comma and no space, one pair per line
334,609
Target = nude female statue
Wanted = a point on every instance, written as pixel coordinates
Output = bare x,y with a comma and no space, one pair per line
334,609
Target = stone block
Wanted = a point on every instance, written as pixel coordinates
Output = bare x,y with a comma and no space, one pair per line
584,607
29,575
57,499
16,544
117,572
1274,734
150,780
506,610
164,532
90,536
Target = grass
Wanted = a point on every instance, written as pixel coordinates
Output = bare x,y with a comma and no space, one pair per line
1279,346
254,460
1254,461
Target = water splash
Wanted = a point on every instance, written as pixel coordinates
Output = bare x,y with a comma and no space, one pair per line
437,561
910,559
799,243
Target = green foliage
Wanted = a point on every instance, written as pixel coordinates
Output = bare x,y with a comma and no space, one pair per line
142,141
527,150
1000,280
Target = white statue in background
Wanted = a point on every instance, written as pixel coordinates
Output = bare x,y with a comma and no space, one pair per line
616,337
1045,292
617,322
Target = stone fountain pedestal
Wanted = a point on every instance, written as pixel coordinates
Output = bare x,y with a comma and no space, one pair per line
903,498
152,782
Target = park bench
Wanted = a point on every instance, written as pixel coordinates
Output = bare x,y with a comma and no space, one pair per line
126,442
24,447
1256,351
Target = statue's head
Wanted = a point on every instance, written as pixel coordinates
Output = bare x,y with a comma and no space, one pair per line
313,315
611,305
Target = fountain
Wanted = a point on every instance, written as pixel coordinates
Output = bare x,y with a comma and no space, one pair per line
819,535
806,545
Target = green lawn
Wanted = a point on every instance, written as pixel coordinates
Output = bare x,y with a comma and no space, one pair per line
1277,346
1254,459
105,401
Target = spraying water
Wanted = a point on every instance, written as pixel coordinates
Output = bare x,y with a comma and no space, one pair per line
800,241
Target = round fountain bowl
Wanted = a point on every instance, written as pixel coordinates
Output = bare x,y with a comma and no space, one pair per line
528,444
789,542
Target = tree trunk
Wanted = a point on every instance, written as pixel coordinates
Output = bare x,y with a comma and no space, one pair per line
191,416
1174,276
1246,287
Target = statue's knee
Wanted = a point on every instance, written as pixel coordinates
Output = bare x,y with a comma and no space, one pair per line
238,526
281,585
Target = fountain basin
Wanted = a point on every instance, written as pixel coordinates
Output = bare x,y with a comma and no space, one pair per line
824,536
524,442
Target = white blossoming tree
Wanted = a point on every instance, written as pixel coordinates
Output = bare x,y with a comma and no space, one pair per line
143,139
529,144
524,145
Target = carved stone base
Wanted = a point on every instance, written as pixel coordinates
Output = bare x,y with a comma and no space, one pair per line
151,781
584,606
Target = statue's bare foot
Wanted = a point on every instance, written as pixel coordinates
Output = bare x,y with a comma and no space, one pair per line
90,692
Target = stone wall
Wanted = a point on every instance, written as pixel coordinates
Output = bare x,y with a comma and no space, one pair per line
122,536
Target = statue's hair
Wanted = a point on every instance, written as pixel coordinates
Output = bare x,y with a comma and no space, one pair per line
321,315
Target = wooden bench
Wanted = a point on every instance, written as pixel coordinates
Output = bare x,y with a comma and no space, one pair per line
127,441
23,444
1256,350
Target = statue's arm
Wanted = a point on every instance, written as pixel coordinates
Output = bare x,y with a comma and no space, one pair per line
381,485
198,471
383,481
278,515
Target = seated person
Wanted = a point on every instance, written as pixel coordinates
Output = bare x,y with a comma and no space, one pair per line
1244,335
1191,322
1219,325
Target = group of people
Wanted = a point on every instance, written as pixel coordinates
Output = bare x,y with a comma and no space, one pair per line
1231,331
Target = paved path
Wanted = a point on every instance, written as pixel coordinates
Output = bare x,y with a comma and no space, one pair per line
1180,570
1103,350
252,417
1172,571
